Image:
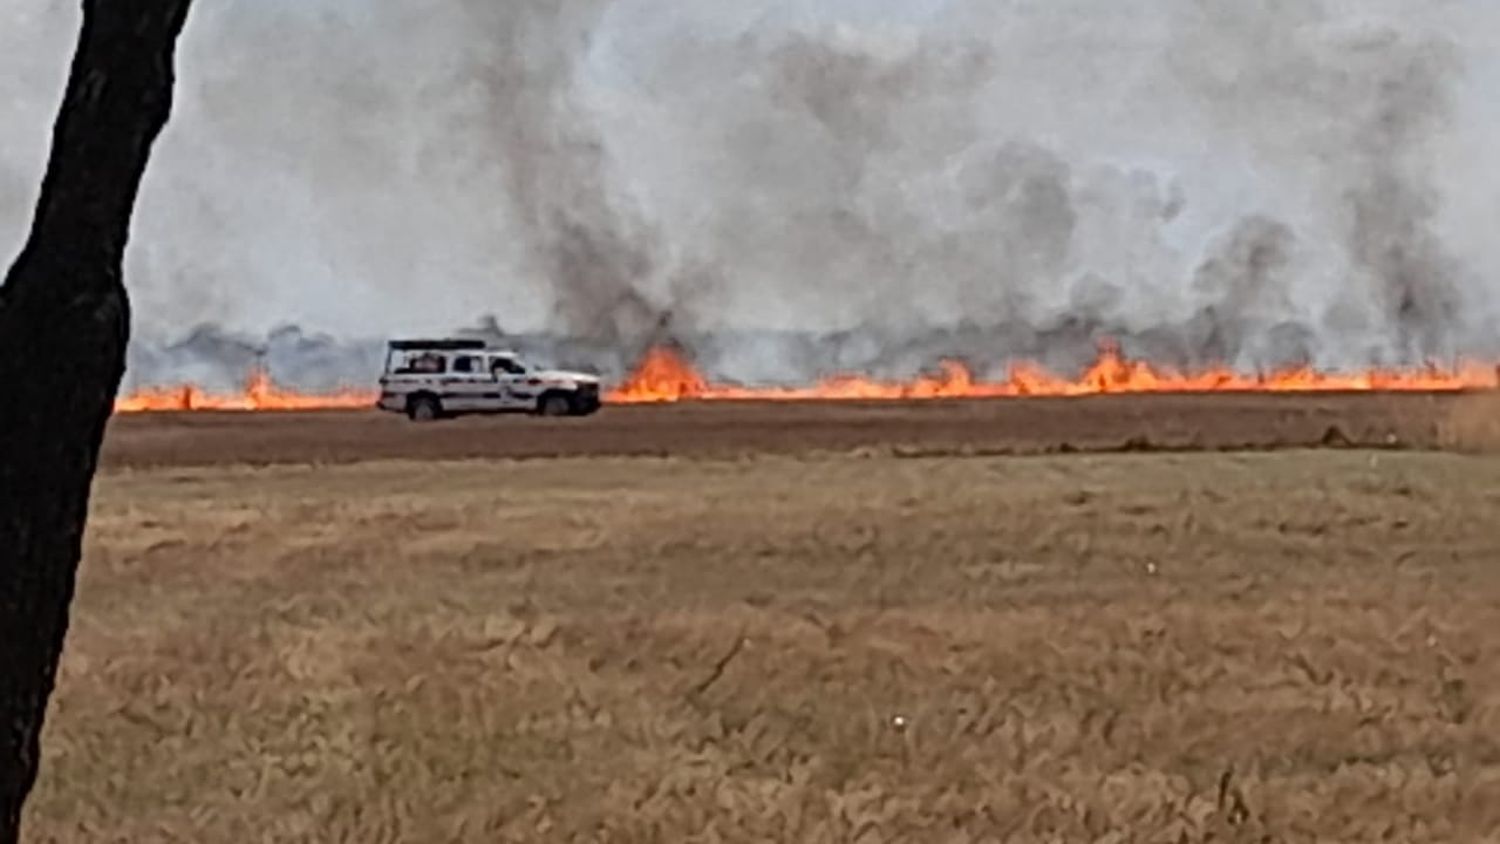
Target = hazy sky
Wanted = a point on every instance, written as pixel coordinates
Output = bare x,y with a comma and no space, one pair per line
366,168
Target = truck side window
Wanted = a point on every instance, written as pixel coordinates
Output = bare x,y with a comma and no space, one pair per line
466,364
419,364
507,366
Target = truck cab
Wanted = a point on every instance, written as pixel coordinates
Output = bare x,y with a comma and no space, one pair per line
433,379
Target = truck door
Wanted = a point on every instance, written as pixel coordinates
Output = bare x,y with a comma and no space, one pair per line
469,387
515,383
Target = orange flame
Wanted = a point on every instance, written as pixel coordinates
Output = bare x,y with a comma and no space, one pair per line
665,375
259,394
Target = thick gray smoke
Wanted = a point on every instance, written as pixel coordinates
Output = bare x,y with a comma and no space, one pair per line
1362,102
597,252
789,191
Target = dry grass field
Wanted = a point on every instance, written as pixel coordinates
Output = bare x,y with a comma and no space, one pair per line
873,645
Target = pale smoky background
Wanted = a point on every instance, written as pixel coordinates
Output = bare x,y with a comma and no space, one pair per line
794,188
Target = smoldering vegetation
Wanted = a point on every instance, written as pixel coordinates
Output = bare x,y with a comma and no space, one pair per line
218,359
792,194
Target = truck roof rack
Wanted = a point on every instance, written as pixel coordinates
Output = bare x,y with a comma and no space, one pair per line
444,345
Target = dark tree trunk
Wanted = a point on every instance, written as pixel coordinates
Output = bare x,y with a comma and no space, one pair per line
64,320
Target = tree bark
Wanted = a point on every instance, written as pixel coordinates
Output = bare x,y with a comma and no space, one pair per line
64,323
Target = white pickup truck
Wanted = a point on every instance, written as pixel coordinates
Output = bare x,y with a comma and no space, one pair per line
434,379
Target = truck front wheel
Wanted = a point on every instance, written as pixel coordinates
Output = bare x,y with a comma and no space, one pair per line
555,404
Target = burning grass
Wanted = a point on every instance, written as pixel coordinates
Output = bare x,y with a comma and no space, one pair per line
665,375
259,393
768,648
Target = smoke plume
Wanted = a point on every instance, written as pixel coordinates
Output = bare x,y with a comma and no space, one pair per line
791,191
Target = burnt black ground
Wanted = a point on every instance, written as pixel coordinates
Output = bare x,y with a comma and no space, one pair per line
1019,426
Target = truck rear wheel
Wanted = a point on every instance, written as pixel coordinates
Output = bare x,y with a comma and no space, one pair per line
423,409
555,404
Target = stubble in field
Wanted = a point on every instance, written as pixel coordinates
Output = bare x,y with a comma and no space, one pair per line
1473,425
936,649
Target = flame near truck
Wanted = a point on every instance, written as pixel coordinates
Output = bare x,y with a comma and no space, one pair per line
436,379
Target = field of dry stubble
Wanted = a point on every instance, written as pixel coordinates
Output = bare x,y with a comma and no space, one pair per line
793,648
